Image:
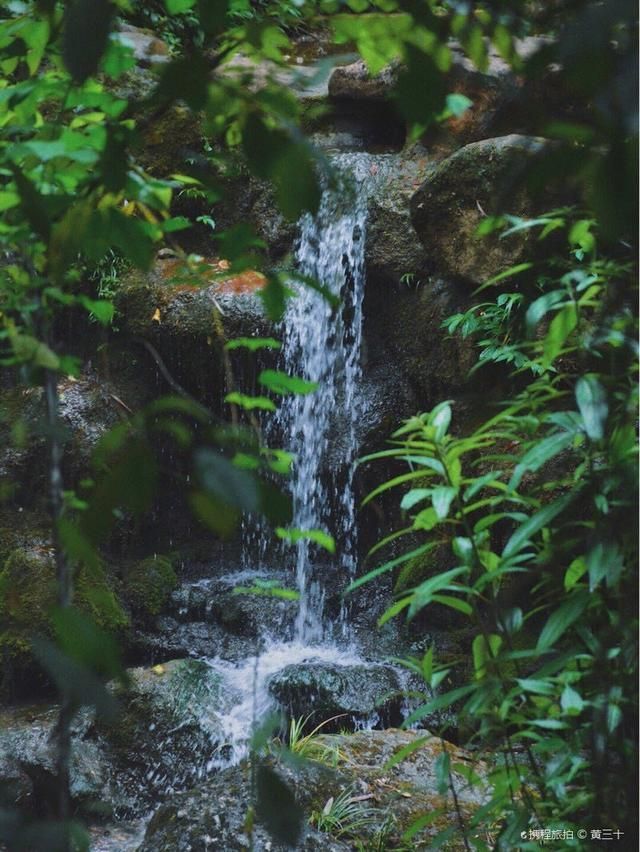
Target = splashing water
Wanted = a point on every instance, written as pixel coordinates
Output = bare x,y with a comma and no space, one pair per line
322,343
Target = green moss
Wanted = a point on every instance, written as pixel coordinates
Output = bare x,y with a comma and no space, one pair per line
28,594
149,583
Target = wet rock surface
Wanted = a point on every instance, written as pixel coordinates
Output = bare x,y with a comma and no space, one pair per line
88,408
214,815
367,694
473,182
354,82
160,741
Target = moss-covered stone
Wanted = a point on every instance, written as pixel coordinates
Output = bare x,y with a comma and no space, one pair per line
149,583
28,595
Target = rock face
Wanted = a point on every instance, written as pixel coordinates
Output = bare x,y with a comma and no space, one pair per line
214,816
358,694
187,312
87,409
160,741
355,83
477,179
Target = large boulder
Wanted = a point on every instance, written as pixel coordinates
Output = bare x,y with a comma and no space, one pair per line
476,180
215,815
185,312
88,407
393,249
354,82
384,802
161,741
369,694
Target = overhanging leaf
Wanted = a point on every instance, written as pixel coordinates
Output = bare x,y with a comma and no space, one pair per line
283,384
592,402
86,30
561,619
277,808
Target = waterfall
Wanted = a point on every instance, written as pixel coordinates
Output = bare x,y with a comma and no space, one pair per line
322,344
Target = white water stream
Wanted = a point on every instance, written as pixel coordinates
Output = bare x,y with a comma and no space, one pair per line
322,344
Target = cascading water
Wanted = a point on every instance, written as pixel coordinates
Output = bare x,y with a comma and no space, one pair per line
322,344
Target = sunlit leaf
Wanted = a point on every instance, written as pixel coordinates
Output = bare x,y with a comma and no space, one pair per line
283,384
592,402
318,537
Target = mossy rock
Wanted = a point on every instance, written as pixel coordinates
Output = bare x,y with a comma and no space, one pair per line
149,583
28,595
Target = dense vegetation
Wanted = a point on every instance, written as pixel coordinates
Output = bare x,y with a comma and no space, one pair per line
535,506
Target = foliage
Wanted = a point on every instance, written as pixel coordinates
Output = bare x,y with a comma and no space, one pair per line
537,511
344,816
307,745
149,583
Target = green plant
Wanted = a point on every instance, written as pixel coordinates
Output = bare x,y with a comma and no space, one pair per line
537,510
344,816
108,273
307,746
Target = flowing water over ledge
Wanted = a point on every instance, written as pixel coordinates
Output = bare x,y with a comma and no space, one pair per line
322,344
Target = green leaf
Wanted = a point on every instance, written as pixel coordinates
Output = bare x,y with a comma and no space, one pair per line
592,402
440,418
225,482
440,702
185,78
101,309
176,7
442,770
561,619
296,182
253,344
571,701
393,610
441,498
79,685
319,537
421,89
574,573
283,384
541,452
542,305
424,593
274,297
370,575
268,588
422,822
277,808
508,273
250,402
33,203
561,327
416,495
86,30
404,752
484,649
604,560
535,523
